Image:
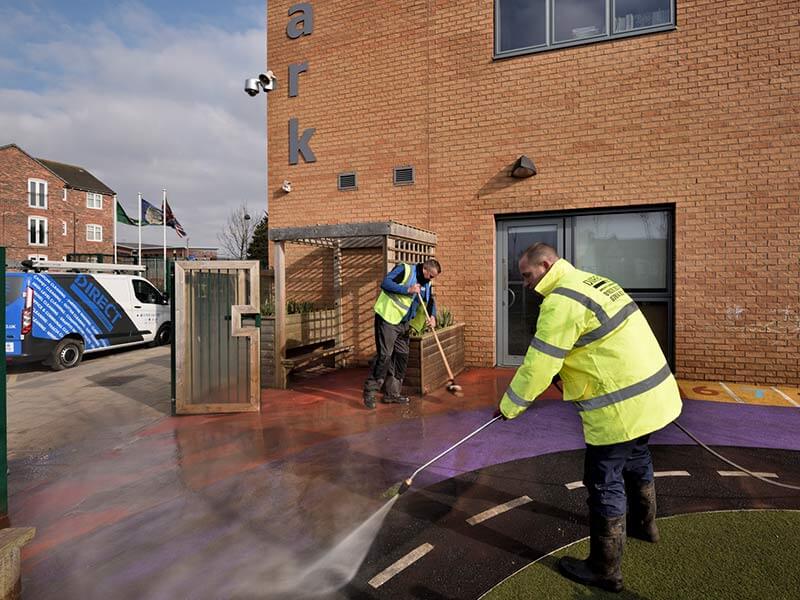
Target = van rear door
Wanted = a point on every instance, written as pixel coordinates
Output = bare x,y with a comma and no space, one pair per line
15,302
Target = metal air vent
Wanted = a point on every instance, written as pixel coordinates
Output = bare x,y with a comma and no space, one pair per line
403,175
347,181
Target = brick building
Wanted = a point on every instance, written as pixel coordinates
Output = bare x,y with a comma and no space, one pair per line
51,209
664,134
128,250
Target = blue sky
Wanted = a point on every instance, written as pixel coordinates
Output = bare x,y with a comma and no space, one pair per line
146,95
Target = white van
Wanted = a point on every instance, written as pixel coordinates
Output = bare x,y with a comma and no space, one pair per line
57,311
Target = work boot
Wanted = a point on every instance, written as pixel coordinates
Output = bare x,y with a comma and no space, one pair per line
603,567
395,400
369,399
642,512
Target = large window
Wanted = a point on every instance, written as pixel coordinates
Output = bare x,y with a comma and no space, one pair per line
634,247
523,26
94,233
37,193
37,231
94,200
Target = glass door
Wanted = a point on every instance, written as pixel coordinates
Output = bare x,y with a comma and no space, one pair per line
518,308
632,247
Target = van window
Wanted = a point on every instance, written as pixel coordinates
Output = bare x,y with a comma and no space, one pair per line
146,293
13,288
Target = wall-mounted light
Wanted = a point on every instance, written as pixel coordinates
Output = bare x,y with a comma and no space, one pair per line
523,167
286,186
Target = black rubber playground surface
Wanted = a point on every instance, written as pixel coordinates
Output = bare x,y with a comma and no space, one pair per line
456,549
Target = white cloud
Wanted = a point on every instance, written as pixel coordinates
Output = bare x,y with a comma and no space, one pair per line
167,111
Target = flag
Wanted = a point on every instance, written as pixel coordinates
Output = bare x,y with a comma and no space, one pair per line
172,221
122,216
150,214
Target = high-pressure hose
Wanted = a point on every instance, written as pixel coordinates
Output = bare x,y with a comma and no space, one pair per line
733,464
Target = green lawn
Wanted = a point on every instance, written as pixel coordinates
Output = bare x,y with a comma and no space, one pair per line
705,556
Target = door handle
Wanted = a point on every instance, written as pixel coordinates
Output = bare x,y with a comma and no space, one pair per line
137,306
513,297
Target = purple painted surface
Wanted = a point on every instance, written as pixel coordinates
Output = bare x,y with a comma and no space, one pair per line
554,426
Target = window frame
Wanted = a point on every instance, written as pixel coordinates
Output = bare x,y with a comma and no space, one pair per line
44,195
43,244
95,196
159,297
549,45
665,296
96,229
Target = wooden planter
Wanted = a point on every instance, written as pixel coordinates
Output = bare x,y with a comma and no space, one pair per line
302,331
426,371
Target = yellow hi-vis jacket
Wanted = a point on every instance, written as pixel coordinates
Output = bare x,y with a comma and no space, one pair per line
393,307
593,334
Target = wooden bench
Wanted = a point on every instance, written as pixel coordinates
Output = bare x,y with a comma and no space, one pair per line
304,360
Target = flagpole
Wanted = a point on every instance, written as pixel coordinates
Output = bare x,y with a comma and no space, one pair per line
115,229
164,221
139,256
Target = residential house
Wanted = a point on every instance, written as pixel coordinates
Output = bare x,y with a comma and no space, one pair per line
51,209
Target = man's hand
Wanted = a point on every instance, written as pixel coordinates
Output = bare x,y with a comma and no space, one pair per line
432,322
414,289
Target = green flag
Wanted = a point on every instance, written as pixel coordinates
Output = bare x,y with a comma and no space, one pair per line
122,216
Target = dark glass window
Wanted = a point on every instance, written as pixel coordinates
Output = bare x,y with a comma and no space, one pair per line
630,15
523,26
578,19
146,293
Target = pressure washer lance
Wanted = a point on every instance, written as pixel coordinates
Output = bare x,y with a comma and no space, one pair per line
401,487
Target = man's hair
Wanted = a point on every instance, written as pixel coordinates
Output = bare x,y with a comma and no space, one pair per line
539,252
432,263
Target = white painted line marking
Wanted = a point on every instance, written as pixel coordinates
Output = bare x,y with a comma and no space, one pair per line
741,474
672,474
392,570
498,510
574,485
730,393
786,397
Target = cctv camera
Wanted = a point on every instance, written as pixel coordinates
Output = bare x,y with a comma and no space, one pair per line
251,86
267,81
287,186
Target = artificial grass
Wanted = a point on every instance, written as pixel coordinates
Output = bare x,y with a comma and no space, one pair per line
703,556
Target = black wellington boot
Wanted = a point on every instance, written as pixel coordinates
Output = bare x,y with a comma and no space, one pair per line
603,567
642,512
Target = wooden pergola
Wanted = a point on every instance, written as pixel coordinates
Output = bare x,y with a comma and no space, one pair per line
399,243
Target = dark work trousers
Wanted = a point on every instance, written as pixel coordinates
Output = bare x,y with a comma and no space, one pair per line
607,470
389,366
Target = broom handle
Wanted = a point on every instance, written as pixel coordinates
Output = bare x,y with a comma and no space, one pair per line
436,337
456,445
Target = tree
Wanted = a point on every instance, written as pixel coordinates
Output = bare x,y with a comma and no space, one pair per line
259,244
236,233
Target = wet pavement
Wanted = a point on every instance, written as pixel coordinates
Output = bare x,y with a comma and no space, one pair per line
235,506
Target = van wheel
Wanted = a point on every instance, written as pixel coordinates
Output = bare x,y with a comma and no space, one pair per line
67,354
163,336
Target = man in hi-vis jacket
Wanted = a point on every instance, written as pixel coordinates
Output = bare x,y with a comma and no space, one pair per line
397,310
594,336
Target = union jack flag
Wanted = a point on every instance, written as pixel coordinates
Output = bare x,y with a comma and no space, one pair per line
172,221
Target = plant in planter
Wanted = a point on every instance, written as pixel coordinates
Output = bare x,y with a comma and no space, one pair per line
426,371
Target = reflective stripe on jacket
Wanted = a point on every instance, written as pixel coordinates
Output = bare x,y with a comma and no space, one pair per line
592,333
393,307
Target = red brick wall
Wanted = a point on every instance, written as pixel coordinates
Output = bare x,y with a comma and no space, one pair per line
15,170
703,117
